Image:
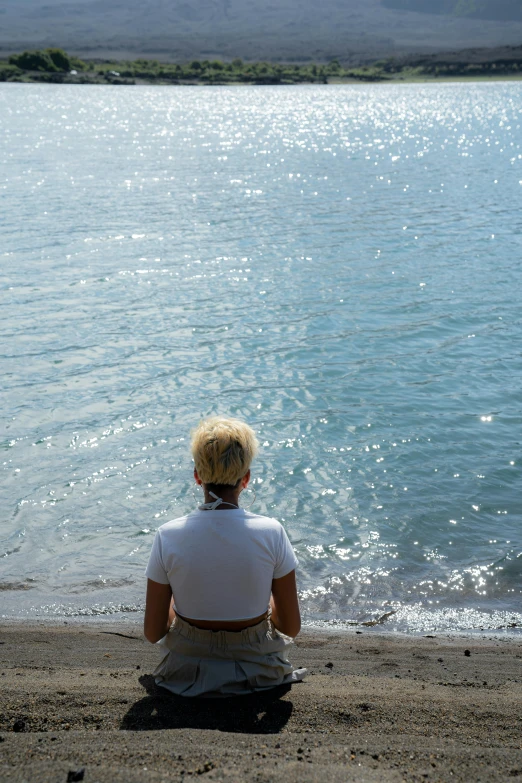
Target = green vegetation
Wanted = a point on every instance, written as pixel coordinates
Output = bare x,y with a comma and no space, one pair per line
216,72
55,65
48,61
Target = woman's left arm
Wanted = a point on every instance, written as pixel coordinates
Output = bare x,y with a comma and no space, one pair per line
159,611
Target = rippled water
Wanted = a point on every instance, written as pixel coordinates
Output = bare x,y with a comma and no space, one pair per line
338,265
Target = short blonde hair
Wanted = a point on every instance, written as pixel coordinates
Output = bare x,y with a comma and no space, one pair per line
223,450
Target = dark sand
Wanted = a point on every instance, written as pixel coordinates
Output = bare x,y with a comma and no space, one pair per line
373,708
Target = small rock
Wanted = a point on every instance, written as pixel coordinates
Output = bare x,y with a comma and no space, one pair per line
138,667
358,632
300,750
329,665
440,660
467,653
207,766
75,774
19,725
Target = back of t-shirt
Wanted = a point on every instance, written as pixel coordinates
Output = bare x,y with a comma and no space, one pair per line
220,564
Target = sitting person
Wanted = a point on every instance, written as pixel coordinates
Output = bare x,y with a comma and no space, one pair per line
221,591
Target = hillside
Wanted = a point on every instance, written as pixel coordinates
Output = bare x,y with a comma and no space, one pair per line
353,31
499,10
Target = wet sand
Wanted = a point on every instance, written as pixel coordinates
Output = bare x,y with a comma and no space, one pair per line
373,708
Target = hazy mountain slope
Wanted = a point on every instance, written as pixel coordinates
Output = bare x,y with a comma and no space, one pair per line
499,10
257,29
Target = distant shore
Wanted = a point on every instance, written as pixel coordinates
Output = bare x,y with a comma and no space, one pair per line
331,81
373,708
54,66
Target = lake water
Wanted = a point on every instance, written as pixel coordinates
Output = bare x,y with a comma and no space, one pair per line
338,265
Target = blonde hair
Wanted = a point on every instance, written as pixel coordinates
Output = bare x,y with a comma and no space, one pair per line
223,450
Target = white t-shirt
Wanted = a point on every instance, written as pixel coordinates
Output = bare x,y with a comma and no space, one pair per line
220,564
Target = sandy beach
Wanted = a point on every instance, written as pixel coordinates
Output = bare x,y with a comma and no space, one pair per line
80,700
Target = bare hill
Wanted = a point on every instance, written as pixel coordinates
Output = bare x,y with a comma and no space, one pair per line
351,30
498,10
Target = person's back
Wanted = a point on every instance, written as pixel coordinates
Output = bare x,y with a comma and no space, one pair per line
220,565
222,569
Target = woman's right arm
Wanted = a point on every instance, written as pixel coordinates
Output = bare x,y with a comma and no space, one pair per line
159,611
286,616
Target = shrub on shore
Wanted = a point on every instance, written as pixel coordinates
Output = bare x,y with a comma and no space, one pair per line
50,60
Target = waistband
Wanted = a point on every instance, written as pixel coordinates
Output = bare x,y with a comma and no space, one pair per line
252,634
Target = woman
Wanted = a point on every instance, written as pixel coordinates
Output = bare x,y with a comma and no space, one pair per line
221,591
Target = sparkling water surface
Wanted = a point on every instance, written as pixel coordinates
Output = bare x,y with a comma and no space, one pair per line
338,265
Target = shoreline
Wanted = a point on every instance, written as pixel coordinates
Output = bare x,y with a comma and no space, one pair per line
374,707
134,621
329,83
55,66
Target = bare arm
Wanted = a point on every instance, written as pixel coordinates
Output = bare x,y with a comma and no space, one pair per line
159,611
285,605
